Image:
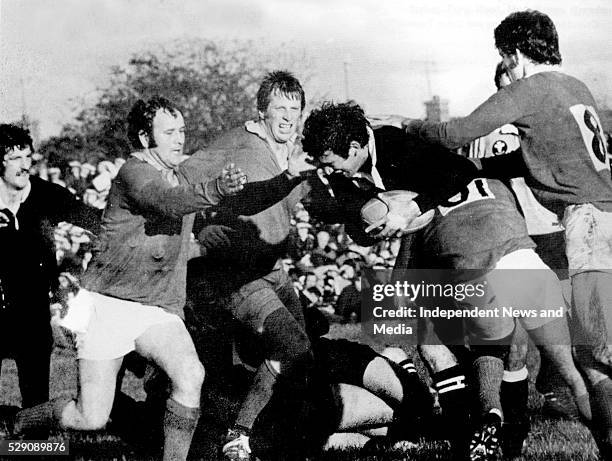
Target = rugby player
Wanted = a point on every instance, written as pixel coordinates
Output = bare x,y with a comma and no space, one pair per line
134,287
545,230
402,411
246,277
29,210
564,161
496,238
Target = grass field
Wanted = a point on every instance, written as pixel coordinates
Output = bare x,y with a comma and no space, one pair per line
549,439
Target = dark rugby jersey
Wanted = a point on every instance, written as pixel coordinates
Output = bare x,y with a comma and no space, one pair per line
476,220
481,225
562,141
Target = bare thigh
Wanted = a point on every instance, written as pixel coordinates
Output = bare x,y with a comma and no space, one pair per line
169,345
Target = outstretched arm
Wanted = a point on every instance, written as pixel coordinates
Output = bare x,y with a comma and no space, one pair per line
150,191
67,208
260,195
506,166
496,111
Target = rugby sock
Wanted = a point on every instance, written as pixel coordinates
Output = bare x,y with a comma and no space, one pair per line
601,400
408,366
180,423
258,397
601,405
488,373
417,398
44,415
451,385
514,395
548,380
416,403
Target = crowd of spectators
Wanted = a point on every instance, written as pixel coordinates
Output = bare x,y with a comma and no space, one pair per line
90,183
326,265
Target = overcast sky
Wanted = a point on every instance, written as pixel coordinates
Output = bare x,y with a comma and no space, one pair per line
54,52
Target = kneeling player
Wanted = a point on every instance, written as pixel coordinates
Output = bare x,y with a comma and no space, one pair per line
404,402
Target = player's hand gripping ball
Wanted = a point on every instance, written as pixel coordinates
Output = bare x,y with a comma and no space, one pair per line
394,213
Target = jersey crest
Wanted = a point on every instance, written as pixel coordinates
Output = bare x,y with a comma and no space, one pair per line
499,147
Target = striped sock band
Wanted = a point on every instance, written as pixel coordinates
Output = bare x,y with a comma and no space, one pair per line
408,365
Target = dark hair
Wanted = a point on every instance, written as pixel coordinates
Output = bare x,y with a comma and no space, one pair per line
532,33
333,127
141,118
11,137
500,71
280,81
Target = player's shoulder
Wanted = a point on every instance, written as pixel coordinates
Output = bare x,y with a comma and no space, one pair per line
234,139
133,166
203,165
545,82
42,186
388,133
233,146
135,172
391,137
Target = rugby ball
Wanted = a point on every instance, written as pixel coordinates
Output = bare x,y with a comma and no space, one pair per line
376,210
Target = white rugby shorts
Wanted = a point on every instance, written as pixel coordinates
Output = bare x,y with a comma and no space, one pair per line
114,325
588,238
523,282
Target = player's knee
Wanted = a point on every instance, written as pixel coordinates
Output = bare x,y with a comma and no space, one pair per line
287,342
196,374
301,348
189,377
95,420
516,358
437,357
297,356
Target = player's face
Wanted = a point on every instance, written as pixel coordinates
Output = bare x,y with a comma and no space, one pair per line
169,135
17,163
282,117
357,156
513,65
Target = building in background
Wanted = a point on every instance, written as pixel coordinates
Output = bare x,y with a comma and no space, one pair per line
436,110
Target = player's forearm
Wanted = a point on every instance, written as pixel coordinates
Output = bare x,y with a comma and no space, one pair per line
85,216
506,166
179,200
146,189
260,195
449,176
496,111
71,210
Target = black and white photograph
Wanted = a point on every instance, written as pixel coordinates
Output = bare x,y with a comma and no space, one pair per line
306,230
